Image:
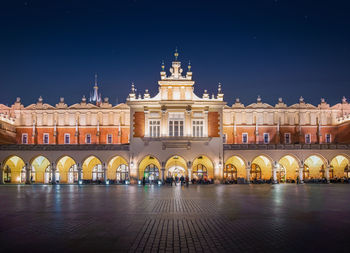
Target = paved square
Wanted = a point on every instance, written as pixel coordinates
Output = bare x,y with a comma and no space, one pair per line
210,218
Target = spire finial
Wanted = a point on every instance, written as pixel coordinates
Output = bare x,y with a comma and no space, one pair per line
176,54
163,65
189,65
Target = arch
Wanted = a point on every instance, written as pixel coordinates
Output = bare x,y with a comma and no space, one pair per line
150,168
92,169
40,169
202,168
340,165
288,168
67,169
238,163
176,166
15,167
118,169
314,167
261,166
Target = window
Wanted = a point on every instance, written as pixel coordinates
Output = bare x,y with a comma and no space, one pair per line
109,139
328,138
176,124
287,138
245,138
224,139
266,138
307,138
154,128
46,139
24,138
88,139
66,138
197,126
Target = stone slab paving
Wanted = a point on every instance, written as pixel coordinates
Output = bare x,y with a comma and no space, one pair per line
208,218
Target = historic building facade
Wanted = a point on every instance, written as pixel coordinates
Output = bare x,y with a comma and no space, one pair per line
173,133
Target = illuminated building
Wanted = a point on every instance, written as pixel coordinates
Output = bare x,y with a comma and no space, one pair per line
173,133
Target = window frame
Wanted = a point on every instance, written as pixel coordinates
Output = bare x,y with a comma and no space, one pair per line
65,138
88,136
247,138
309,138
330,138
48,138
285,138
268,138
107,139
26,138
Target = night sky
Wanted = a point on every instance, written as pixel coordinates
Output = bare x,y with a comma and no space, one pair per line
272,48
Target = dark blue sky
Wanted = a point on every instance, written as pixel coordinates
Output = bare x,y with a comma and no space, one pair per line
270,48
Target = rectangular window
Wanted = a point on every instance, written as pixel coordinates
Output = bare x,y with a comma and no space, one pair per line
66,138
176,128
46,139
266,138
197,128
109,139
328,138
287,138
154,128
88,139
245,138
24,138
307,138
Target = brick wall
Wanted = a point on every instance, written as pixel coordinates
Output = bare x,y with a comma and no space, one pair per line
213,124
139,124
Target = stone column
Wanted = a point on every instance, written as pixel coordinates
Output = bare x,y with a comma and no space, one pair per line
53,171
105,179
327,173
248,173
301,180
79,173
1,174
274,173
163,172
28,174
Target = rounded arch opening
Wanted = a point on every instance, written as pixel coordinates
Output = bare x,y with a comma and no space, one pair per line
176,167
340,167
261,168
92,170
150,170
14,170
288,169
118,170
202,170
67,169
314,168
41,171
234,169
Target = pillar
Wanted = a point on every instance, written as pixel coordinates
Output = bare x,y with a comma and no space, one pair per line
1,174
189,175
163,172
248,174
28,174
53,171
301,180
105,179
274,173
79,173
327,173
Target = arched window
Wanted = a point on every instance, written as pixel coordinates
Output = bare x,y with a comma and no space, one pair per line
255,172
122,173
7,174
230,172
200,172
97,173
151,173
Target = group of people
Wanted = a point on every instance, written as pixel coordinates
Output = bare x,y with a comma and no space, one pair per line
170,180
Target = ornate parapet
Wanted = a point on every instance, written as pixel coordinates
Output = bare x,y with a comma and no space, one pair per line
65,147
285,146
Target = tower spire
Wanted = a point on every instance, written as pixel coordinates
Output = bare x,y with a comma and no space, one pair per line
95,79
176,54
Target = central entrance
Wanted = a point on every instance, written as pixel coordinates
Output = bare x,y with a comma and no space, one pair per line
176,167
176,171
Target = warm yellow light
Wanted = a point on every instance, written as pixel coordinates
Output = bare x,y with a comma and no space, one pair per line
18,179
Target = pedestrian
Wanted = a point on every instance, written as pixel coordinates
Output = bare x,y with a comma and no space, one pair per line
182,179
143,181
187,180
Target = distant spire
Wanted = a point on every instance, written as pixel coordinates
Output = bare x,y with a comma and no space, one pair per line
189,66
176,54
163,65
95,79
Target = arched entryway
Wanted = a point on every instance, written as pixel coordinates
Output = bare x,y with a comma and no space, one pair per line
41,171
14,170
68,170
261,169
314,168
288,169
202,169
92,170
149,170
118,170
234,170
176,167
340,167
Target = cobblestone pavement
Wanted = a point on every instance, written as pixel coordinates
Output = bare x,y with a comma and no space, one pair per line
213,218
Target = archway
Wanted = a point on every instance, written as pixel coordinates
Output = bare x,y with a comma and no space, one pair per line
41,170
68,170
118,170
288,169
14,170
92,169
149,169
202,169
176,167
340,167
234,169
261,168
314,168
